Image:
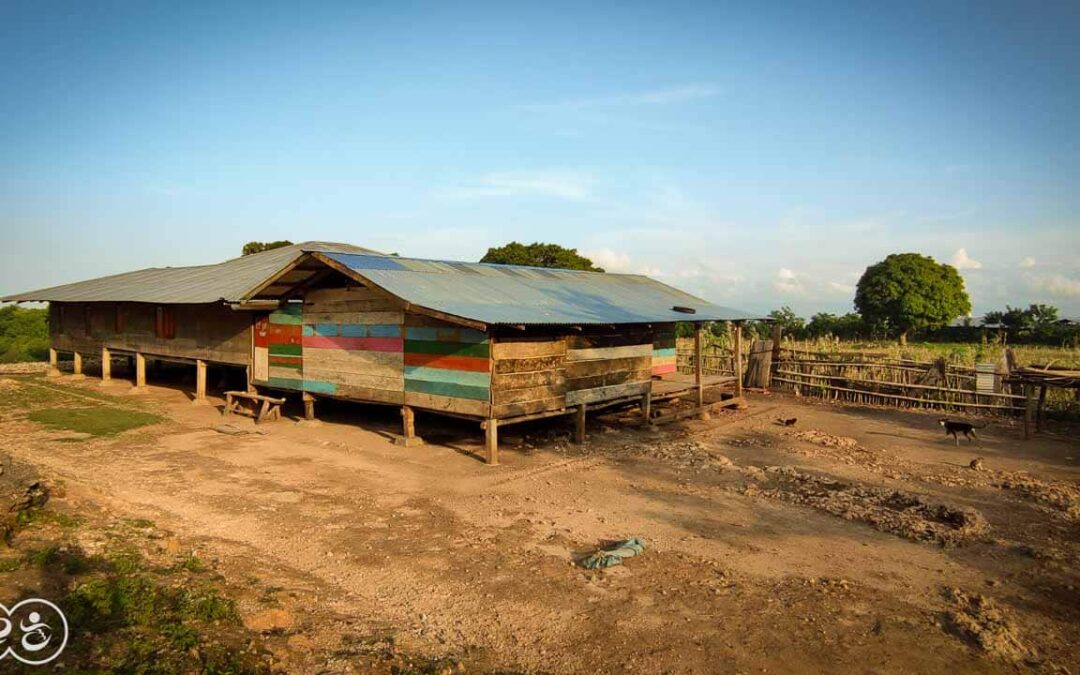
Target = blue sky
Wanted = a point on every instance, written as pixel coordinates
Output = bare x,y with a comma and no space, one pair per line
755,156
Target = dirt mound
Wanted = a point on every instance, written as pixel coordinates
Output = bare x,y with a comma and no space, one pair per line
20,489
1060,496
827,440
901,513
977,619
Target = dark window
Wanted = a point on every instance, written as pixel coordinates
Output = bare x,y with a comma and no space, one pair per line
165,326
87,321
60,320
118,320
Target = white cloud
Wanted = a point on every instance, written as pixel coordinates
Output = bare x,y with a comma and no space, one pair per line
612,261
840,289
787,281
1057,284
665,96
1027,262
962,261
570,185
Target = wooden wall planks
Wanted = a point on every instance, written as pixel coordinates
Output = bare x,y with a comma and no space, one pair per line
208,332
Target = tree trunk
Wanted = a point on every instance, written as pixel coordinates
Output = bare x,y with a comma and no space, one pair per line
903,338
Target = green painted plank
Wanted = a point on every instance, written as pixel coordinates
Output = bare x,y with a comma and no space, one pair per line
447,389
447,348
286,350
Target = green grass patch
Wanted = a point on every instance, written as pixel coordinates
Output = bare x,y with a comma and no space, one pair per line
10,564
44,516
94,421
134,618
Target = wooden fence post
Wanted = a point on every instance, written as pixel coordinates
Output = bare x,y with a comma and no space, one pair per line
698,365
737,362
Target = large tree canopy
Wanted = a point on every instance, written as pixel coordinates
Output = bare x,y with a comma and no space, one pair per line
908,292
260,246
539,255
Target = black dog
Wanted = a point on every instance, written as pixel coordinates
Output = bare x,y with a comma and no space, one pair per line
955,428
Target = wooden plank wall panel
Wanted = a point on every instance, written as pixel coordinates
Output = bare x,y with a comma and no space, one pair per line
607,366
280,334
663,354
353,344
529,377
447,367
210,332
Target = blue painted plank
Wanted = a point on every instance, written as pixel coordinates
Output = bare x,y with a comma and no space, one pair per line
465,377
285,383
320,387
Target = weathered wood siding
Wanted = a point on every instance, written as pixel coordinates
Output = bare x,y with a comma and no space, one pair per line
664,354
447,367
529,375
353,345
602,367
279,349
209,332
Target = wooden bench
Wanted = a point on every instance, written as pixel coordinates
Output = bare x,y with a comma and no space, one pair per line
266,407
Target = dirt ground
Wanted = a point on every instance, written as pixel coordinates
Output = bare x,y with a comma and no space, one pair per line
856,540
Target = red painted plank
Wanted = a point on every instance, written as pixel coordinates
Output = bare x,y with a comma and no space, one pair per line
470,363
262,334
354,343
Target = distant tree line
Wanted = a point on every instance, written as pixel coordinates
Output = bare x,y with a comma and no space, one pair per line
24,334
1037,324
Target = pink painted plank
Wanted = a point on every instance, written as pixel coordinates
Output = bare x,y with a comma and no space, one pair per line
354,343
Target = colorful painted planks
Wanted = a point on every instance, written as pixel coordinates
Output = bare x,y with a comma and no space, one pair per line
663,360
447,361
279,351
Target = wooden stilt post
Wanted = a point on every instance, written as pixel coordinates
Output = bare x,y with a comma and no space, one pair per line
646,405
737,347
106,365
200,382
309,407
54,363
408,426
140,371
491,441
77,365
579,424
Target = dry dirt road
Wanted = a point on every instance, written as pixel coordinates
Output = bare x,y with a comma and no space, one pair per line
857,540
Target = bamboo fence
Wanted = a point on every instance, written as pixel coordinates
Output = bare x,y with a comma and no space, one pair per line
868,378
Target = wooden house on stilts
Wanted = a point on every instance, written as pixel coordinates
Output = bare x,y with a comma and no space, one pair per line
498,344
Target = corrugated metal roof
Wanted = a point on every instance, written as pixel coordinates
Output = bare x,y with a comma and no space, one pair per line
510,294
228,281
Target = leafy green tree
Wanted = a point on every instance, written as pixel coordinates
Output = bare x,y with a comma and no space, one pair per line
1037,320
908,292
260,246
791,323
24,334
847,327
539,255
